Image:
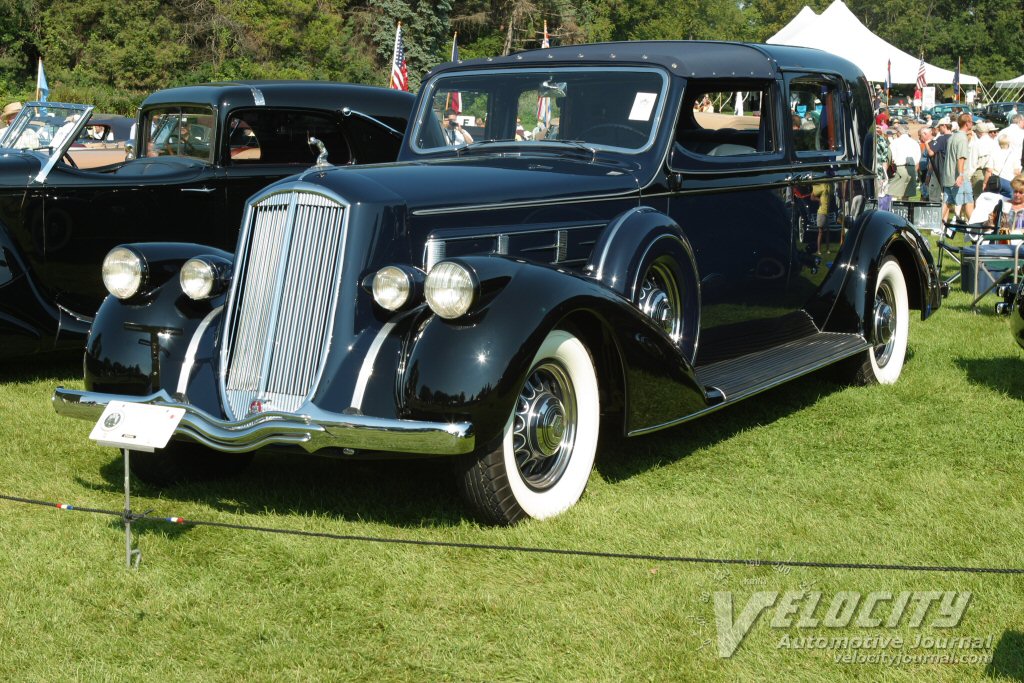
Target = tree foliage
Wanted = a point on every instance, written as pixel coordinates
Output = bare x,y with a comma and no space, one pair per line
112,56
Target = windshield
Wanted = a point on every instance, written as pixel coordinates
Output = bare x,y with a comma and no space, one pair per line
179,131
608,108
45,126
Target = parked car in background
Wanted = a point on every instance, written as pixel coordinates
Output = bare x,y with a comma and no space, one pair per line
203,150
635,264
948,109
999,112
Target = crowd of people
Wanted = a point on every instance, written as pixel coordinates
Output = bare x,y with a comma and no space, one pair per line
951,162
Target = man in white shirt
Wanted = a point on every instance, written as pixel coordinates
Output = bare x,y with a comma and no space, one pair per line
906,154
980,151
1015,133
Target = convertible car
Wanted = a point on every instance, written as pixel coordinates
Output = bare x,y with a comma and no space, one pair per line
202,150
634,263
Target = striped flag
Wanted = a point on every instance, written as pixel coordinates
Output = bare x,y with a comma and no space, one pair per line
455,99
921,80
956,81
399,72
544,103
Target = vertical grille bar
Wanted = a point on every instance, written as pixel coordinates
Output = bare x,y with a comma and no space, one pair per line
284,300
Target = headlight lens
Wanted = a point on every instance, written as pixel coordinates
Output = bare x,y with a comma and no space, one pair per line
198,278
391,288
449,290
122,272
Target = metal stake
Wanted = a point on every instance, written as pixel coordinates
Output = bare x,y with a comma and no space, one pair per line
133,556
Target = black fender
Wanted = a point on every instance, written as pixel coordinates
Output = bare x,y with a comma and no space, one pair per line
29,320
473,368
1017,318
138,345
626,249
849,288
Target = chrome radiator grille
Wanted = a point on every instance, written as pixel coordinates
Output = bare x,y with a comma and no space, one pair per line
282,305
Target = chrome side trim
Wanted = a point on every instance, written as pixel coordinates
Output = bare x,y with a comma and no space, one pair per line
370,359
311,429
628,194
193,346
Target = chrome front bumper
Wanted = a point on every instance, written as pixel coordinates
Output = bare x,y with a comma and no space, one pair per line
312,429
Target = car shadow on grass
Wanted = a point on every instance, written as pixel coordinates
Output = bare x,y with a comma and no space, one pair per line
1008,657
423,492
56,366
1005,375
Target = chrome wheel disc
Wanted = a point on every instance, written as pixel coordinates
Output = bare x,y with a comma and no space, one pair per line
544,426
660,299
885,323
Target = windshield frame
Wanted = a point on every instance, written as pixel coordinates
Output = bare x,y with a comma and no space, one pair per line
425,115
36,110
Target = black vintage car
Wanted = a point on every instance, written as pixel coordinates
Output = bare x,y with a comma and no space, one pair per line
633,263
202,151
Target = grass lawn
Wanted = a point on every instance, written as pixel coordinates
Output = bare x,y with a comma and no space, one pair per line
924,472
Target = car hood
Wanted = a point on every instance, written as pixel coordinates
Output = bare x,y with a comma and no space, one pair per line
18,167
479,181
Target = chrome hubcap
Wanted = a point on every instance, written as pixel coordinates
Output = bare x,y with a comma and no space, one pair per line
544,426
659,299
885,323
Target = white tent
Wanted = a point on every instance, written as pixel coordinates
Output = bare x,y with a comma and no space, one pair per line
1014,89
838,31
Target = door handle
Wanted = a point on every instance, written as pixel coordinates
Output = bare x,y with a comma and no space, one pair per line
198,189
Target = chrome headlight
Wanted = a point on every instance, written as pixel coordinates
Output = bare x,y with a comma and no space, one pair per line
391,287
198,279
123,272
450,289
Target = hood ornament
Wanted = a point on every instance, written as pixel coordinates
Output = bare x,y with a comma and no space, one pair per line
321,160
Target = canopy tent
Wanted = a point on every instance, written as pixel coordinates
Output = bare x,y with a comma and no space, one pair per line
838,31
1014,89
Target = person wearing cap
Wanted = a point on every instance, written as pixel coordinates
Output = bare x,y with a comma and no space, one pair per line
7,117
956,183
981,149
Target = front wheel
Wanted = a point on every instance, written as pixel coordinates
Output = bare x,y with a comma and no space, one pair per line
888,329
547,451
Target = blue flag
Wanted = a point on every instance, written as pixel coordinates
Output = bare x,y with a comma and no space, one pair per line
956,81
42,88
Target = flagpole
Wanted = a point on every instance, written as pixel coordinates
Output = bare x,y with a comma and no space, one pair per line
39,68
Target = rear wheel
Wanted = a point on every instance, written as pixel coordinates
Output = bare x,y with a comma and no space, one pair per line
888,328
547,451
181,461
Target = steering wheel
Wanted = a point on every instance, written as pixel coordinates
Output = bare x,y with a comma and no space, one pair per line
585,134
68,160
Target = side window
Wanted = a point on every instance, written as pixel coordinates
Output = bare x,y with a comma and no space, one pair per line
814,116
274,136
726,119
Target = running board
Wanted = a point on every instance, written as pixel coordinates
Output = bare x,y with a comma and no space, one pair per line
740,377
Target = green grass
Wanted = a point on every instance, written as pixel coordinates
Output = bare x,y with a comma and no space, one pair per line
924,472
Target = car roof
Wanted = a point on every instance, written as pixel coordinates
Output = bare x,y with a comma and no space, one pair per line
688,58
300,94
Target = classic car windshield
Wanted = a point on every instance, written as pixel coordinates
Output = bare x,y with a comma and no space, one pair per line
179,131
608,108
45,127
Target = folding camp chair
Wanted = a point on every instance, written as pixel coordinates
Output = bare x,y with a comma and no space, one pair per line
984,265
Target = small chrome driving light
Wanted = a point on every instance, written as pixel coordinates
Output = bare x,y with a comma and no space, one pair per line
123,272
450,290
391,287
198,279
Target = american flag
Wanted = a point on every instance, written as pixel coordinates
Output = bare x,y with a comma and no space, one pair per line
544,103
921,80
399,72
455,99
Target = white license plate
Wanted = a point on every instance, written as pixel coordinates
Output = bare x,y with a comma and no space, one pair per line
136,426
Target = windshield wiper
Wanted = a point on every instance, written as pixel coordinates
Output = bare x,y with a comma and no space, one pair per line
579,144
575,143
482,143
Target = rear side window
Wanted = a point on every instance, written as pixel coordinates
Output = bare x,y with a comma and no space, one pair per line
814,117
269,136
726,119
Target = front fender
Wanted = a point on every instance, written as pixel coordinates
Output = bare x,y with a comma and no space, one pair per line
850,286
138,346
473,368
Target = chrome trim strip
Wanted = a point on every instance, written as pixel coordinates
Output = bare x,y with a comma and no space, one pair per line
631,193
311,428
618,223
366,369
65,144
193,346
